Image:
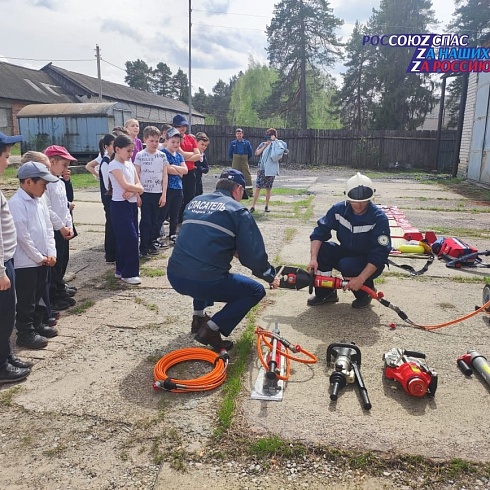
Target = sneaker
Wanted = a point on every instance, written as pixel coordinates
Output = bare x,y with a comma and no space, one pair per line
109,261
160,243
252,209
173,239
330,298
117,275
15,361
207,336
267,210
153,251
47,331
31,340
132,280
70,292
12,374
360,303
197,322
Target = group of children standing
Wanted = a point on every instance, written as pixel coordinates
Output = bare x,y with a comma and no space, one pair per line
151,179
35,229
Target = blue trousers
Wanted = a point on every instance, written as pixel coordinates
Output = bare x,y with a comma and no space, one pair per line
7,316
109,238
124,216
333,256
149,220
240,294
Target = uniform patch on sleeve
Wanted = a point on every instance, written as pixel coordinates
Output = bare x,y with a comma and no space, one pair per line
383,240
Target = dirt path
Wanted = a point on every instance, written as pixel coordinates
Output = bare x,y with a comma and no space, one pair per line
88,418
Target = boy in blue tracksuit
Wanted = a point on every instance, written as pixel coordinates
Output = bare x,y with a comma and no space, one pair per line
216,228
363,233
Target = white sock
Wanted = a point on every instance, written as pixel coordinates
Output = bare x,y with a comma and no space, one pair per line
199,313
213,325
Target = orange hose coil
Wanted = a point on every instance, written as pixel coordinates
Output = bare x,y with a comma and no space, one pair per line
209,381
262,336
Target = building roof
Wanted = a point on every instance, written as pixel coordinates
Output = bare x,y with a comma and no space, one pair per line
89,86
19,83
72,109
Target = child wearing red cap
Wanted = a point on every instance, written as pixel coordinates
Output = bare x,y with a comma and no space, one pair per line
59,210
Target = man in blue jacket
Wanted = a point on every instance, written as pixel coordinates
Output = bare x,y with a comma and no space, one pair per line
363,233
240,152
216,228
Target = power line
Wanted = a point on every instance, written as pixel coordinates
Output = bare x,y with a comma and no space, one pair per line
229,27
115,66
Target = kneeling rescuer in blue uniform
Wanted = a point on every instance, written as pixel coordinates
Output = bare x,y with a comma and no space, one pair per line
216,227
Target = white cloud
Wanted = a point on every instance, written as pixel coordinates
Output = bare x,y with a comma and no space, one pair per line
225,33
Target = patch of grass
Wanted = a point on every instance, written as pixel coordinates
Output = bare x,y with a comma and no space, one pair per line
457,209
461,232
151,272
111,282
55,451
6,397
288,191
178,460
150,306
289,234
274,446
82,307
233,384
84,180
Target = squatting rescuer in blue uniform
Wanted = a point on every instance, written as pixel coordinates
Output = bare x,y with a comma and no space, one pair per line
363,233
216,227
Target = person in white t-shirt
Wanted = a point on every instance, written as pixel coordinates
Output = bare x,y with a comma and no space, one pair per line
126,189
151,166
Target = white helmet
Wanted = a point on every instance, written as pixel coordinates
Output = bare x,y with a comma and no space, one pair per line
359,188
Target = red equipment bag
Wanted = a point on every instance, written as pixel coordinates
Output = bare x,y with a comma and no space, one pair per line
454,248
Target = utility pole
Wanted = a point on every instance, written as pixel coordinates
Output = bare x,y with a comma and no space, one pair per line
99,78
190,68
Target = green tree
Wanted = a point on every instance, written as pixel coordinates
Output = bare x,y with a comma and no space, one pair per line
356,95
471,17
403,99
248,93
139,75
162,80
180,86
301,36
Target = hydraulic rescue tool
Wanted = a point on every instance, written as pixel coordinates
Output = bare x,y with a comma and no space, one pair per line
296,278
275,357
473,360
346,370
411,371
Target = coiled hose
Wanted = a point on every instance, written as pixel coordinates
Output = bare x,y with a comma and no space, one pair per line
209,381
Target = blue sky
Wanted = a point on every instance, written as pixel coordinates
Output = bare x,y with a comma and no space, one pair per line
226,34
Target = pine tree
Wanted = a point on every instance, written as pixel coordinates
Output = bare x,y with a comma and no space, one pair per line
404,98
139,75
356,95
180,86
162,80
301,36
